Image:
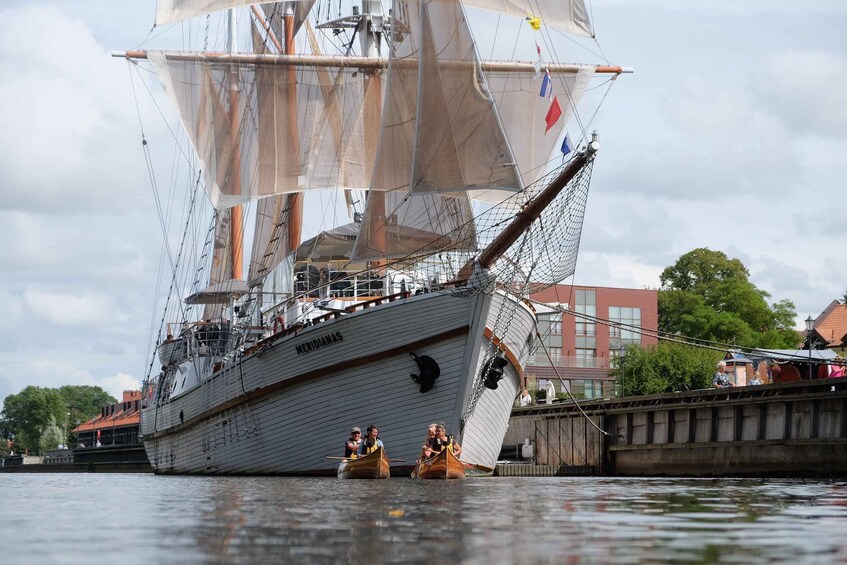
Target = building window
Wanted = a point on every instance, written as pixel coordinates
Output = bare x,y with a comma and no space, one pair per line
555,355
556,324
586,303
585,358
624,327
550,324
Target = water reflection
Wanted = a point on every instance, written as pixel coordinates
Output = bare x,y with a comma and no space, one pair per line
142,518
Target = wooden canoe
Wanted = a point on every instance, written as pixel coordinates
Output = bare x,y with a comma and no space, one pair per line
444,465
371,466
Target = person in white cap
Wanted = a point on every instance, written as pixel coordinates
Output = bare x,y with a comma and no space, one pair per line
354,442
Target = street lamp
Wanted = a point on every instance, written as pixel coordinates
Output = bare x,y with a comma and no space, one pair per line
65,430
810,325
621,355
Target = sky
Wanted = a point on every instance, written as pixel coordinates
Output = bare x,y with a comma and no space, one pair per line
731,134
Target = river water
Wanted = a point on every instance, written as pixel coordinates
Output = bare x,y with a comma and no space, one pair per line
138,518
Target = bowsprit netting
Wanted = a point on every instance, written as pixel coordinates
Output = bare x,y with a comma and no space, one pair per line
543,256
547,252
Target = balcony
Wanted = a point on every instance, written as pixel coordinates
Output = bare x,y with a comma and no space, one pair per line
540,360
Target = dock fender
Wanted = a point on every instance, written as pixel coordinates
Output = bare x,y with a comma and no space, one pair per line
428,369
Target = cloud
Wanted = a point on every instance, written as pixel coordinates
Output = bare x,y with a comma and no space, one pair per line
801,88
11,311
52,373
735,8
709,141
116,384
67,122
66,309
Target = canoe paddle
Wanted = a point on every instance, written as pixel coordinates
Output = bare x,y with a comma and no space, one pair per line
348,459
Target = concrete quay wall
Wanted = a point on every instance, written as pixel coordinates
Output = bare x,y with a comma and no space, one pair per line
793,429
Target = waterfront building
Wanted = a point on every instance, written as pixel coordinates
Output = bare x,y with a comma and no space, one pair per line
830,327
584,349
117,423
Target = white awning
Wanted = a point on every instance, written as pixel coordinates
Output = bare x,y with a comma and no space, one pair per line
220,293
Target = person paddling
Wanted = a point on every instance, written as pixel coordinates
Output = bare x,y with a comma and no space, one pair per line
431,445
446,441
371,441
353,444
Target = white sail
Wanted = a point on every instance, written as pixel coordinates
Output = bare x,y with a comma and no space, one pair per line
169,11
522,112
460,144
267,154
567,15
270,238
397,222
274,13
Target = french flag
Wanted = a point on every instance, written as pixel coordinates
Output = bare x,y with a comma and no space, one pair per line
546,85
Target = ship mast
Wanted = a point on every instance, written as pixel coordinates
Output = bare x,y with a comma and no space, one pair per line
295,200
237,216
370,35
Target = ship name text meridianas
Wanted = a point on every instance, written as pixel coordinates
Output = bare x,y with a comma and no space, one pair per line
318,342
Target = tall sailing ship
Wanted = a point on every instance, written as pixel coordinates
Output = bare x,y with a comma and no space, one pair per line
464,193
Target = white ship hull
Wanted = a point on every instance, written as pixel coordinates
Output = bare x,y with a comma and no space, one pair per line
281,409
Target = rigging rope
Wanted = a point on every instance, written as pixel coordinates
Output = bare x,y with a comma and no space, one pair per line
561,380
676,338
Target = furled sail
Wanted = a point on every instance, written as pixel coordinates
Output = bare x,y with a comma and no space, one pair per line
256,158
567,15
221,267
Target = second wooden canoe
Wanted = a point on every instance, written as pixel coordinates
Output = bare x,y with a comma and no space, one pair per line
371,466
443,465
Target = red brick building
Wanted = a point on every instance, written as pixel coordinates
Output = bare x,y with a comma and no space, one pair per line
582,348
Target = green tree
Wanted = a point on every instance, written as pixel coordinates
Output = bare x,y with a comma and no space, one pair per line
83,403
51,436
707,295
27,413
664,367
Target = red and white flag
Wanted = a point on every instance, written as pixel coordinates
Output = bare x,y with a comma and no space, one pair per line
538,63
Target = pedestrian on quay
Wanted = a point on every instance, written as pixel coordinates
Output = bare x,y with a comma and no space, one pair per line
721,379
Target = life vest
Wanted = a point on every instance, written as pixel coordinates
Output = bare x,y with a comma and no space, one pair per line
347,452
439,444
366,449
